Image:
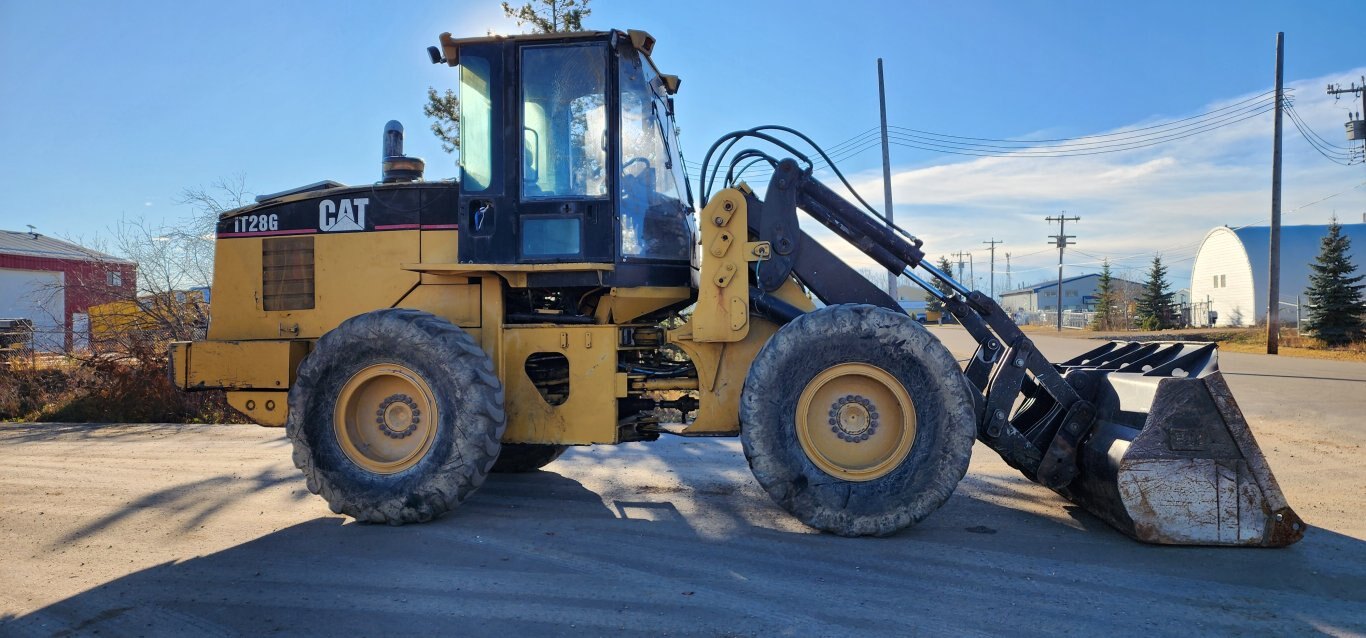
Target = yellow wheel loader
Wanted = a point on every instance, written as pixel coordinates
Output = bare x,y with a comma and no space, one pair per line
413,336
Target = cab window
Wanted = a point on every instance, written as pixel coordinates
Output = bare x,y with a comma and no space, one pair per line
654,220
476,123
564,121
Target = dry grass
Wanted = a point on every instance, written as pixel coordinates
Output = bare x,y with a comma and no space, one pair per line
1248,340
105,389
1292,344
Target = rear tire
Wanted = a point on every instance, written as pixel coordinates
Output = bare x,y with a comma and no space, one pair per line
526,457
857,420
395,417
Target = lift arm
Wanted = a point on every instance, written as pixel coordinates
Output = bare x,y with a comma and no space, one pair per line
1145,436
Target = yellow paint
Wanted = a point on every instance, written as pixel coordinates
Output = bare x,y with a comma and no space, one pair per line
440,246
621,305
110,321
490,334
855,421
354,273
264,408
514,274
589,414
236,364
722,367
386,418
457,303
721,313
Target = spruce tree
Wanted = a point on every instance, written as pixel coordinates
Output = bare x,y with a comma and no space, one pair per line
1335,301
1107,296
1153,306
933,304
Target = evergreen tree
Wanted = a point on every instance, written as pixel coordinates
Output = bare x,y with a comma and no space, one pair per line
933,304
1107,297
544,16
1335,301
444,109
550,16
1153,307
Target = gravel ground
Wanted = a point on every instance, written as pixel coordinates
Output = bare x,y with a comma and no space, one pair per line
165,529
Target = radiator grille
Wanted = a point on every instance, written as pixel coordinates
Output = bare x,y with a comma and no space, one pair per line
287,273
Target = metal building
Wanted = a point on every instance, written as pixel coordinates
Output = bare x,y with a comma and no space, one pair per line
1078,293
51,283
1229,276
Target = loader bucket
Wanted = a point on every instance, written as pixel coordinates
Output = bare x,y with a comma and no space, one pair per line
1170,459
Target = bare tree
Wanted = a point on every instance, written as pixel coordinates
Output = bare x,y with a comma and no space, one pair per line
166,299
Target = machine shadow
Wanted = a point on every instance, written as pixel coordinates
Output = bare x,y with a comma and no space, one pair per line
540,553
37,432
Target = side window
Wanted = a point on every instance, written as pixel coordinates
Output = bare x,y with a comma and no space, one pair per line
564,121
476,123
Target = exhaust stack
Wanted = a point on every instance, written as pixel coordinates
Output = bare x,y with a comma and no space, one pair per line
397,167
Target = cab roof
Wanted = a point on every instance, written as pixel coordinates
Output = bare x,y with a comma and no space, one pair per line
642,41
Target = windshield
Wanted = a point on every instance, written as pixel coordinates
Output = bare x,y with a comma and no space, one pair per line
654,216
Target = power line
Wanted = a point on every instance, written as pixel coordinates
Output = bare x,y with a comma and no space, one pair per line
1334,156
1105,139
1290,108
1129,146
1258,97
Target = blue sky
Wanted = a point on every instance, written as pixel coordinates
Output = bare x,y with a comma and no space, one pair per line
111,109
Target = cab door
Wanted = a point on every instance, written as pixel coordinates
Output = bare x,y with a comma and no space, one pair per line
566,177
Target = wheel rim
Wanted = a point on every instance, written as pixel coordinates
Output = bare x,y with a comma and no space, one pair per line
386,418
855,421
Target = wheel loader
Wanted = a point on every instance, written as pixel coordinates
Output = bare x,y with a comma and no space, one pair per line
413,336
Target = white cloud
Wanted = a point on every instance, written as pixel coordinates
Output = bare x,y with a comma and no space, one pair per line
1133,204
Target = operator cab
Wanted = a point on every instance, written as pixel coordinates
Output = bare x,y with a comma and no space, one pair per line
569,155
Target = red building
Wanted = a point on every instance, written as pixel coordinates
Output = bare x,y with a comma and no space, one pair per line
52,283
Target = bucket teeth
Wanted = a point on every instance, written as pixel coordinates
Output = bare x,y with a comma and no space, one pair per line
1170,458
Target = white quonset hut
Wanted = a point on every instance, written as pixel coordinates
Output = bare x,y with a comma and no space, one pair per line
1229,277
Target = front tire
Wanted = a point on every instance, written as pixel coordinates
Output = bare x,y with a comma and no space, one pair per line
856,420
395,417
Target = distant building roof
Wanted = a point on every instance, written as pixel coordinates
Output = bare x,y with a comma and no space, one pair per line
1053,284
39,245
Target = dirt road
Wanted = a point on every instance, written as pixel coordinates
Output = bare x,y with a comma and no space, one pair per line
152,529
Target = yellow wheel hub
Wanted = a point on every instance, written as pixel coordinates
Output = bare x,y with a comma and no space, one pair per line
855,421
386,418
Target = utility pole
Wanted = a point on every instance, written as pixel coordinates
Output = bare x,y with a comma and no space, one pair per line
1356,126
1008,284
992,247
886,169
1273,292
961,262
1060,240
